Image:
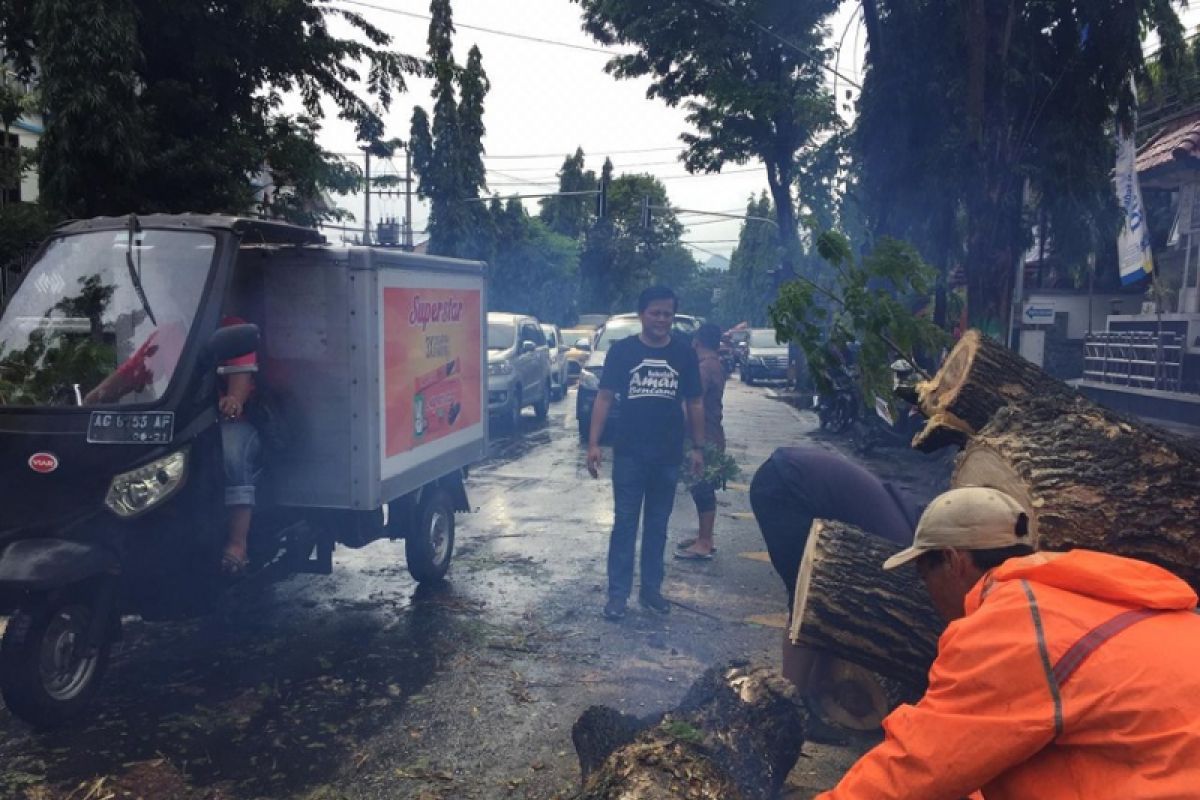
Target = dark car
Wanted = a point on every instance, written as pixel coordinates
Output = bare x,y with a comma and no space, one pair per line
617,327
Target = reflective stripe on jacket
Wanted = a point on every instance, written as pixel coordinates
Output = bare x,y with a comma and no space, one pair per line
1073,676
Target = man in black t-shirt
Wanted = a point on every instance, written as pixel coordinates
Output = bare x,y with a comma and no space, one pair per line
655,375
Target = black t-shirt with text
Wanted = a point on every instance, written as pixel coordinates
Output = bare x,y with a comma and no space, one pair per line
652,383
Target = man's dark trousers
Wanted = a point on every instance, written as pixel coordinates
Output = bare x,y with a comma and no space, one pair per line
637,484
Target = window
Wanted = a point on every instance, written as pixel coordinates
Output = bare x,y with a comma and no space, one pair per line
532,333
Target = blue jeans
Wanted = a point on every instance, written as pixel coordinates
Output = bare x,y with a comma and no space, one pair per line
635,483
241,450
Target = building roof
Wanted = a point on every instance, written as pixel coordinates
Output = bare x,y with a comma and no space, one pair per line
1174,148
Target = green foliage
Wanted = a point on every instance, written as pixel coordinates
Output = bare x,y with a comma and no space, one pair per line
719,467
535,270
751,286
681,730
168,105
571,215
448,149
869,302
949,138
22,226
750,74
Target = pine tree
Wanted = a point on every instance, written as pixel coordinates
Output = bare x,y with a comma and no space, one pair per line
570,214
448,153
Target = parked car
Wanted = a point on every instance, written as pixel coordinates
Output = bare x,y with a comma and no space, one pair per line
766,359
579,348
518,367
558,361
616,327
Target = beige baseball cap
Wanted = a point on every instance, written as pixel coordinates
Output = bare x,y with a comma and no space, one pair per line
971,518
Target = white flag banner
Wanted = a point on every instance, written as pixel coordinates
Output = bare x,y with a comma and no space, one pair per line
1133,244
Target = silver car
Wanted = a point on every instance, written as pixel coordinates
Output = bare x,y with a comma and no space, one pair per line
518,367
558,361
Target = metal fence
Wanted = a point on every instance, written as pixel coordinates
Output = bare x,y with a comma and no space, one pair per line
1135,358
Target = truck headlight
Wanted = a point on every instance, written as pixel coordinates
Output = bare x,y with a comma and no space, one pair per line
139,490
589,380
500,368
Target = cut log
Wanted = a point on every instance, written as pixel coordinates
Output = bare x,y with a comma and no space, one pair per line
942,430
979,377
848,605
851,696
735,736
1093,479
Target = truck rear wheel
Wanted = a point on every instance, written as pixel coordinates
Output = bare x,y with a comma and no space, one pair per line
48,675
429,547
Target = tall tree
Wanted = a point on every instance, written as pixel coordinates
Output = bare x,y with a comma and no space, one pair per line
168,105
749,72
535,270
570,213
751,283
622,254
973,113
448,151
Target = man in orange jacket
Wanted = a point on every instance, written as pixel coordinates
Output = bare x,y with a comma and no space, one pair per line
1061,675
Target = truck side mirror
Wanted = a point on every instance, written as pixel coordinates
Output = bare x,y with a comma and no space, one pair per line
528,347
584,344
233,341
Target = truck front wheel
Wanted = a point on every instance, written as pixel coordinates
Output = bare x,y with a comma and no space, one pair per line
428,549
48,673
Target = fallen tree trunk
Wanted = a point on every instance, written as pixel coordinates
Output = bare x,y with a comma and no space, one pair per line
1093,479
978,378
846,604
735,736
941,430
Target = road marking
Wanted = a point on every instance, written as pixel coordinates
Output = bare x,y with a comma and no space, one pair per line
779,620
760,555
737,487
742,515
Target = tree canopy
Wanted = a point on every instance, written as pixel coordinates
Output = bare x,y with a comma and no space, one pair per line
750,74
170,105
973,114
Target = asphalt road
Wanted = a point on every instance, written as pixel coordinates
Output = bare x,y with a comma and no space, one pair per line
360,685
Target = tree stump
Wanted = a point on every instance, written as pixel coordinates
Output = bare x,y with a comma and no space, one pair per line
735,736
846,604
1093,479
978,378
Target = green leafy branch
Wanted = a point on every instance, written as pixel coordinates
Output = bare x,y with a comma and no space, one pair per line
867,302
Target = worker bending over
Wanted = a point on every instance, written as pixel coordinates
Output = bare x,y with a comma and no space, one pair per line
1061,675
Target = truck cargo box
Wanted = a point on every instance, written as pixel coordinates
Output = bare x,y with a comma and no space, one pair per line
378,356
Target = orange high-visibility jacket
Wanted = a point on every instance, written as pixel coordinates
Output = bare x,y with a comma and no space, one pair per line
1073,675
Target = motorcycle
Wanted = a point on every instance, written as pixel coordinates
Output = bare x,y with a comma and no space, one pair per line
114,501
893,424
839,408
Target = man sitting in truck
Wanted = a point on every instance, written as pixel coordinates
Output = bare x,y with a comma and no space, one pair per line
154,362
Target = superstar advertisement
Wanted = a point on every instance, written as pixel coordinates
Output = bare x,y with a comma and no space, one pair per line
432,356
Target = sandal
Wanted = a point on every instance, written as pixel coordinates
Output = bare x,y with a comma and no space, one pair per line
233,566
689,543
688,555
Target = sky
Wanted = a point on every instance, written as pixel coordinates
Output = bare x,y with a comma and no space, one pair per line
546,100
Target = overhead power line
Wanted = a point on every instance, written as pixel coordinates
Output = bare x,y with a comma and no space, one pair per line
509,34
598,150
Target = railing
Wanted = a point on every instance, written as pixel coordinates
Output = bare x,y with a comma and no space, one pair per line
1135,358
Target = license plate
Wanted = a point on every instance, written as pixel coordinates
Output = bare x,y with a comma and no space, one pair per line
131,427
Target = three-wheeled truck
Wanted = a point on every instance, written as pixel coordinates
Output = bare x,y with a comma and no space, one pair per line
370,398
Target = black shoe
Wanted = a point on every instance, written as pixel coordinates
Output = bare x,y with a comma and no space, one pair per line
614,609
656,603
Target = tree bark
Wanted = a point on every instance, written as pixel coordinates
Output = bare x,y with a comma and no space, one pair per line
979,377
1093,479
848,605
735,736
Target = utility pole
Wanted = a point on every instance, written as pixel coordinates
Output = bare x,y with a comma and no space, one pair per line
367,195
408,220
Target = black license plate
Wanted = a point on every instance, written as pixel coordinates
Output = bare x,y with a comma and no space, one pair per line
131,427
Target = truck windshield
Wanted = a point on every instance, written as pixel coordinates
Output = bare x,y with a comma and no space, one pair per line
77,333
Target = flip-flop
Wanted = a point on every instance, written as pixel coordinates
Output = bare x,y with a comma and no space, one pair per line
689,543
233,566
688,555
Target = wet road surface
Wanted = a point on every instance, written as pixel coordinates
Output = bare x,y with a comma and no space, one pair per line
364,685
